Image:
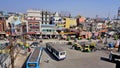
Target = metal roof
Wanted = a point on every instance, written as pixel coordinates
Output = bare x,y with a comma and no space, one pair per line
2,46
3,57
35,54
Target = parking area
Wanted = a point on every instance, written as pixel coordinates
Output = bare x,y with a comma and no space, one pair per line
76,59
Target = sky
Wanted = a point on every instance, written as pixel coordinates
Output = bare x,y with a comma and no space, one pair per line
86,8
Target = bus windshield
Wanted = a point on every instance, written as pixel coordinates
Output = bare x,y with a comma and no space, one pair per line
62,53
31,64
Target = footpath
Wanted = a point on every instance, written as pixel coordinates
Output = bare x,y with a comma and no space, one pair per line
20,59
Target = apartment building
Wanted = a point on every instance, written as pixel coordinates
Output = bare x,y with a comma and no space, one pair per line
3,26
42,16
70,22
39,22
58,21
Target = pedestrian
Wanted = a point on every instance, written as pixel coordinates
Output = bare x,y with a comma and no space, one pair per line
5,65
29,49
118,43
47,59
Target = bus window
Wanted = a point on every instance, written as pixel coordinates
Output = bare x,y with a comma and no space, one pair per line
32,65
57,53
62,53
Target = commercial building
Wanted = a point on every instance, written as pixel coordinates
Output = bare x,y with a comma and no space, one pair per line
3,26
70,22
39,21
58,21
12,21
42,16
80,20
34,27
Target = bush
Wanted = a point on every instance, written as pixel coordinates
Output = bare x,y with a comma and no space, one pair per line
88,38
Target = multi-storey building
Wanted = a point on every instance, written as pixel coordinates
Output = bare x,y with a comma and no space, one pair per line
58,21
39,21
43,16
70,22
33,27
80,20
12,21
2,25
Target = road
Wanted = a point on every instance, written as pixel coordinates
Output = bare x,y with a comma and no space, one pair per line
76,59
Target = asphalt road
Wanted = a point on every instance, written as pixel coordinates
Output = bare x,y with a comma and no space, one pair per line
77,59
74,59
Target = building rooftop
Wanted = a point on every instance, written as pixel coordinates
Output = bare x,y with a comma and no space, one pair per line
56,46
3,57
34,56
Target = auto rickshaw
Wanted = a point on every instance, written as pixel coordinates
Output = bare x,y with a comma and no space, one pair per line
77,46
86,48
93,46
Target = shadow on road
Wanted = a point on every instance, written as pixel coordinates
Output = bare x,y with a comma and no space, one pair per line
50,54
116,61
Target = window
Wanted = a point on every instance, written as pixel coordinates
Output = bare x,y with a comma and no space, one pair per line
57,53
30,24
37,30
62,53
1,18
44,30
53,19
47,15
30,30
59,20
32,64
47,19
36,24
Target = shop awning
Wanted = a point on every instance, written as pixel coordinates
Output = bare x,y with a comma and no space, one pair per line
31,33
2,33
104,30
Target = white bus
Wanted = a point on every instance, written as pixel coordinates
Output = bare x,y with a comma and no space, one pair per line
56,50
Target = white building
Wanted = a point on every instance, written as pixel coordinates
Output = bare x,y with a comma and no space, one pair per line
43,16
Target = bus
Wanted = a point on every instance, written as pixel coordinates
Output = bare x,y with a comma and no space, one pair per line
35,58
56,50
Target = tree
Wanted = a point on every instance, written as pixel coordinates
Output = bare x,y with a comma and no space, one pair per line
78,16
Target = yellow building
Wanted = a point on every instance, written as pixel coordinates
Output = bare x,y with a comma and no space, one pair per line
70,22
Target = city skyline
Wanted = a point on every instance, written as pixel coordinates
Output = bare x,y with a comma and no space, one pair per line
102,8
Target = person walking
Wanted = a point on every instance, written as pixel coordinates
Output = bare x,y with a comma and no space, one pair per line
118,44
47,59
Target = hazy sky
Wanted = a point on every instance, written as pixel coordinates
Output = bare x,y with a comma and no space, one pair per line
87,8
